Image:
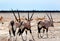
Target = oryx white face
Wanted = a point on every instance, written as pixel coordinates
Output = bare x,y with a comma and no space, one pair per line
51,20
51,23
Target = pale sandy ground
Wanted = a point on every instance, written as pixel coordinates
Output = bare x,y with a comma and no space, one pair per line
54,33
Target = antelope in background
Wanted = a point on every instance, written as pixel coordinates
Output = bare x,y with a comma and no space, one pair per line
38,18
45,25
1,19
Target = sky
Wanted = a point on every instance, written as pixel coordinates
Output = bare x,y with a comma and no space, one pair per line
30,4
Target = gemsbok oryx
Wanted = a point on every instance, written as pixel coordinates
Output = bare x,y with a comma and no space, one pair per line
14,25
45,25
27,24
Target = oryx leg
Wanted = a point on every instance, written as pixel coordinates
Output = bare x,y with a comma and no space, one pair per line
10,35
19,32
31,34
39,32
22,33
47,32
43,29
26,33
23,30
13,32
9,32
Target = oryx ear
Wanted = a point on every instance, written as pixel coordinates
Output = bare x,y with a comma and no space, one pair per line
31,15
19,16
48,16
14,15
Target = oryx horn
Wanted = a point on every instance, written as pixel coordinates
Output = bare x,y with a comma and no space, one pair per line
19,16
51,16
31,15
48,16
14,15
28,15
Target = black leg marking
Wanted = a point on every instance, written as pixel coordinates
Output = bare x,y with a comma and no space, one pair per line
23,30
9,33
26,32
47,32
19,32
39,32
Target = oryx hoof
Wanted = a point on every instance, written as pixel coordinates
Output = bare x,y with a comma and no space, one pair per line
41,36
30,40
24,40
9,40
